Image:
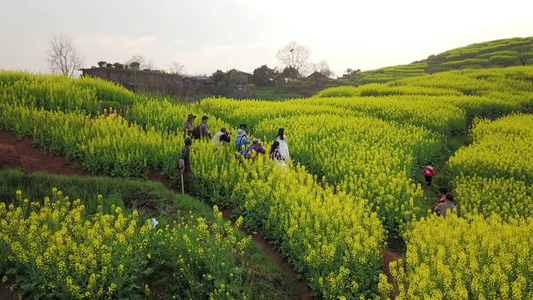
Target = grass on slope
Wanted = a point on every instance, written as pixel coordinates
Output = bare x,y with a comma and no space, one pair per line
266,279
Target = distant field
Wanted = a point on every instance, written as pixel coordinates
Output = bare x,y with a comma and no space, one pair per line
351,189
493,54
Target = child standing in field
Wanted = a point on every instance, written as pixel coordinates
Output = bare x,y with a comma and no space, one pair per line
428,172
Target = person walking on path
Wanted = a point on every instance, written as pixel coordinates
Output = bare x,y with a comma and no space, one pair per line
241,140
205,134
256,146
221,137
442,209
428,172
283,147
275,154
184,165
442,196
188,125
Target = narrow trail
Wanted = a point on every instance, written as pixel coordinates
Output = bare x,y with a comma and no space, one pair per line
21,155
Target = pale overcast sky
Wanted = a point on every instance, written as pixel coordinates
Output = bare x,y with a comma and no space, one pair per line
245,34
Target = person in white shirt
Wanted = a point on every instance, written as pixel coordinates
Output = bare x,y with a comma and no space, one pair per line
283,147
222,136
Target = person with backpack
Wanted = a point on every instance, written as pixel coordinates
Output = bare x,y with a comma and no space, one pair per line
241,140
428,172
188,125
221,137
205,134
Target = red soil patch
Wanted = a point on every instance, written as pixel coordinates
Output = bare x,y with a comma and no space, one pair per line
156,176
21,155
388,257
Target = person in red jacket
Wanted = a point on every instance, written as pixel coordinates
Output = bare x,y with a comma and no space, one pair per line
428,172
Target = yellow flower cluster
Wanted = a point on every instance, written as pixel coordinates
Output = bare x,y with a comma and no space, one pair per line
465,258
363,156
59,92
367,147
206,258
164,115
384,89
505,197
510,85
502,148
68,254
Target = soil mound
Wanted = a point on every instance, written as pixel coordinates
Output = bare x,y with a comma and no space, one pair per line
21,155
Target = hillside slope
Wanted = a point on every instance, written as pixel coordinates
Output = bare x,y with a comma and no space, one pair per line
492,54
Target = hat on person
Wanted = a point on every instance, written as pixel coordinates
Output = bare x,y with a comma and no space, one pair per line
241,132
204,118
255,141
191,116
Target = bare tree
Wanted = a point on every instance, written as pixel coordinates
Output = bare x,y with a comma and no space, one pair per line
63,56
323,68
142,62
177,68
295,56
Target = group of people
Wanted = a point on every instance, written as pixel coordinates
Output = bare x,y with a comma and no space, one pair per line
279,150
446,199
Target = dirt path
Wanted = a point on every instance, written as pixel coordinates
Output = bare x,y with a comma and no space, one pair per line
21,155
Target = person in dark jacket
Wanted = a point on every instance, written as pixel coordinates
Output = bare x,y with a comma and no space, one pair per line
184,164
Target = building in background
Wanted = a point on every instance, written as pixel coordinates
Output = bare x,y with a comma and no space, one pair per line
148,81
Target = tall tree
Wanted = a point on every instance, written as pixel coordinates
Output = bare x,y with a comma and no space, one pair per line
264,76
139,62
177,68
323,68
63,56
295,56
288,73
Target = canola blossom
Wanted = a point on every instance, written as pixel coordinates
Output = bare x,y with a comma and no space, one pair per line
465,258
355,152
61,252
502,148
289,206
365,157
504,197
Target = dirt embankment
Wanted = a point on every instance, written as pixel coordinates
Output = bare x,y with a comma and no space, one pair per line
21,155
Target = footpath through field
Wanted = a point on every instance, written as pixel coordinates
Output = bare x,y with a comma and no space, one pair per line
21,155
